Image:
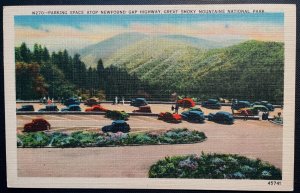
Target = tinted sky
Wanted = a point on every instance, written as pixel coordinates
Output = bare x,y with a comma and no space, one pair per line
58,32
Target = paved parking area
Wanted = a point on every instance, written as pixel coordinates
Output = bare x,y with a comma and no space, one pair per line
251,138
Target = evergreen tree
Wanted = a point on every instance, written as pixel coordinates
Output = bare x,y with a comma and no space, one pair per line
25,54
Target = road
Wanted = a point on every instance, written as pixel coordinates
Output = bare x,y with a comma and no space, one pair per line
251,138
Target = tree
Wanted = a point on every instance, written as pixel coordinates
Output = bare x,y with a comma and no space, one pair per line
37,53
25,54
29,82
45,55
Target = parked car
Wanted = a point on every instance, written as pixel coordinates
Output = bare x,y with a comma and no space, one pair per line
117,115
116,126
71,101
72,108
143,109
96,108
193,116
91,102
37,125
186,103
253,110
221,117
211,104
49,108
26,108
264,103
240,104
137,102
193,109
169,117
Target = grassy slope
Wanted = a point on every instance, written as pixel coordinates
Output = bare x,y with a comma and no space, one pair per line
252,69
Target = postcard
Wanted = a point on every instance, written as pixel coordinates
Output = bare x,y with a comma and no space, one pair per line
150,96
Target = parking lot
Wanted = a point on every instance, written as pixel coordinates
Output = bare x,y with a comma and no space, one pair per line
251,138
156,108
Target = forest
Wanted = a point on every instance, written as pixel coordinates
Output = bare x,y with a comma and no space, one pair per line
251,70
59,75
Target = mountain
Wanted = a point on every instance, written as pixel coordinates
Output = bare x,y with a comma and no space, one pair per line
249,70
202,43
104,49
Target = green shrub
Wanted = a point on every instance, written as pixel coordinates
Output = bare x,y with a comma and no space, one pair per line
89,139
214,166
36,139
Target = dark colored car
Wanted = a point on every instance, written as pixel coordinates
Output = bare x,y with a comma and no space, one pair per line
49,108
116,126
143,109
221,117
240,104
26,108
37,125
193,116
138,102
186,103
117,115
169,117
264,103
91,102
72,108
72,101
211,104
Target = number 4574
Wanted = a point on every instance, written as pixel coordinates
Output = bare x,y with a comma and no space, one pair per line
273,183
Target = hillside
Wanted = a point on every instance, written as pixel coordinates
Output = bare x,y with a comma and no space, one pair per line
250,70
91,54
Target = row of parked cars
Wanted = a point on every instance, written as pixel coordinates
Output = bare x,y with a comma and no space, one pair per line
41,124
195,114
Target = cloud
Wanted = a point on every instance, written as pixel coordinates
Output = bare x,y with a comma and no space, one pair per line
58,36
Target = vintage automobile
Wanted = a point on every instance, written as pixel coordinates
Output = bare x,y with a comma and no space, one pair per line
96,108
26,108
193,116
71,101
211,104
169,117
264,103
49,108
117,115
236,105
91,102
37,125
137,102
117,126
143,109
251,111
186,103
221,117
72,108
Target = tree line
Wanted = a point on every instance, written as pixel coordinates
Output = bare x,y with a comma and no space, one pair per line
59,75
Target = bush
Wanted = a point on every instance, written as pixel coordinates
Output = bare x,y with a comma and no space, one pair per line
214,166
88,139
37,139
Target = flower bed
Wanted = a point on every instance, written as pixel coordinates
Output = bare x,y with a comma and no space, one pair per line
88,139
278,120
214,166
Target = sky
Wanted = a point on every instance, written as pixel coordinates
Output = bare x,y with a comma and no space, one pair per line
77,31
